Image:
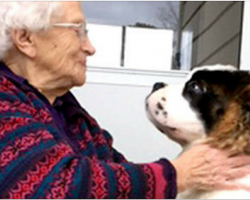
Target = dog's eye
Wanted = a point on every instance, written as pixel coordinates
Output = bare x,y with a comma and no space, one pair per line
195,87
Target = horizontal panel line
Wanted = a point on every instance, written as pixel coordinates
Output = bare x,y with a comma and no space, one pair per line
136,72
118,84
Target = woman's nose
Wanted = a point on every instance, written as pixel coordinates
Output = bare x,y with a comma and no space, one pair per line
158,86
87,47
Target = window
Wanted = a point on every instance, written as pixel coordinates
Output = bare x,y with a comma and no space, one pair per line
165,35
245,42
133,35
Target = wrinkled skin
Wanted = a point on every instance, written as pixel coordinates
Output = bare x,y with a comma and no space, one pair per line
205,168
54,60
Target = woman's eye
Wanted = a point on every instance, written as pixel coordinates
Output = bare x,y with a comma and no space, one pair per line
77,32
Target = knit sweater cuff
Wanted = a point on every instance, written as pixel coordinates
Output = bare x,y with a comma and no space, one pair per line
169,174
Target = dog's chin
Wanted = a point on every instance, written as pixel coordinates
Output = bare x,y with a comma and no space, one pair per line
181,136
172,132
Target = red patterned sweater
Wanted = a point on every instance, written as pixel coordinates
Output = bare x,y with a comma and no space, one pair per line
61,152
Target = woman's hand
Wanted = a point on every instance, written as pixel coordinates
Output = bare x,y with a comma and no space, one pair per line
204,168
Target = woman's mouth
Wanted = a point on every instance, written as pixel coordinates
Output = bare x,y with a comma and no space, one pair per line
82,62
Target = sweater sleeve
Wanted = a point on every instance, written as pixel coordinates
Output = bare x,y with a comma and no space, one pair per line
35,162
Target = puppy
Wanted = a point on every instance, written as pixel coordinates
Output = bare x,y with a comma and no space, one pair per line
212,105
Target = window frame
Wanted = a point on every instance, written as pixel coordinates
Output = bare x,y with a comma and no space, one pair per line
245,38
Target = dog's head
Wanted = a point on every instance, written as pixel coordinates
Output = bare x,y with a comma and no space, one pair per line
213,103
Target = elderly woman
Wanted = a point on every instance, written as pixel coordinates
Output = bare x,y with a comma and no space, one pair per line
49,146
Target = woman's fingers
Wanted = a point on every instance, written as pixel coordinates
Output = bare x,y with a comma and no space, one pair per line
239,161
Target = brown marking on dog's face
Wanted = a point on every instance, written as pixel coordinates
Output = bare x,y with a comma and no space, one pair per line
217,90
232,132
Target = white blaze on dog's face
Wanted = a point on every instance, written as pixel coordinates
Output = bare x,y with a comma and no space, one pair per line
173,111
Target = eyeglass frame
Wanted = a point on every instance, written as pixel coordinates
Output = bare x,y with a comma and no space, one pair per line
81,28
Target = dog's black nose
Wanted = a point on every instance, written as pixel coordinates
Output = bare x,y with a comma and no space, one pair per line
158,86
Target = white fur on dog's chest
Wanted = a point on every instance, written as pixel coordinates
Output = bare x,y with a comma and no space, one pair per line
225,194
220,194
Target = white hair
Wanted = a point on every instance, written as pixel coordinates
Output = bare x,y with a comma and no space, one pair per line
33,16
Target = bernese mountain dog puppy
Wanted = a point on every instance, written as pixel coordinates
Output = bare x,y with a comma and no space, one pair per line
213,104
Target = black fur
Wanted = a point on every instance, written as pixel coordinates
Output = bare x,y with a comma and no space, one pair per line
209,93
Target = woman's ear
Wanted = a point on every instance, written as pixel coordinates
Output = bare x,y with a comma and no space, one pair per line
24,42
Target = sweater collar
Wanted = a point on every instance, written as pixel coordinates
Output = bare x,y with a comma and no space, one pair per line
4,70
67,100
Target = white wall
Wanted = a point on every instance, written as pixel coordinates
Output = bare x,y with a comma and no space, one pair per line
118,106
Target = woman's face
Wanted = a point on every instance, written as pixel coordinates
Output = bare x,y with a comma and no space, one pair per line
61,53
